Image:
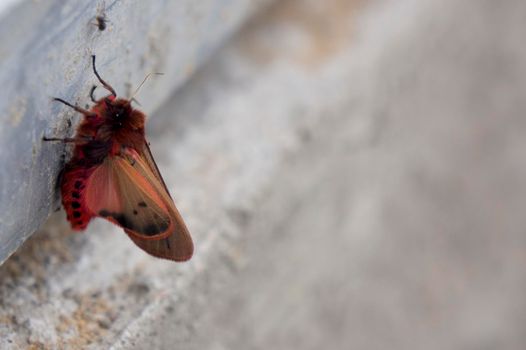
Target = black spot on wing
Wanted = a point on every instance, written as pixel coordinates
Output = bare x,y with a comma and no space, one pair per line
150,229
155,229
122,219
142,204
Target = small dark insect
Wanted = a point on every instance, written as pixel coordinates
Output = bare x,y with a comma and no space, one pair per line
101,22
113,175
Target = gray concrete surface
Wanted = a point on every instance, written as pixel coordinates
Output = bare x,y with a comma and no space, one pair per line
353,178
45,49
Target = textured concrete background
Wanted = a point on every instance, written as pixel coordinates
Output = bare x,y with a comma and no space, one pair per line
353,176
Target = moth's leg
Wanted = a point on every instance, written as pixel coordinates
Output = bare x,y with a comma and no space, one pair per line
68,139
126,155
91,93
130,160
77,108
64,140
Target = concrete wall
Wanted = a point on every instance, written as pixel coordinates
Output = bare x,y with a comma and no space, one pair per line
352,175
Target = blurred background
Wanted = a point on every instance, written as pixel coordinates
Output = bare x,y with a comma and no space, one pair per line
352,173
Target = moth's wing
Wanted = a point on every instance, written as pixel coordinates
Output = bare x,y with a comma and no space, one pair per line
115,191
178,245
124,190
146,154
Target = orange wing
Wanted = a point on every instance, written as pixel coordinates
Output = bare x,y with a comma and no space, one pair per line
128,191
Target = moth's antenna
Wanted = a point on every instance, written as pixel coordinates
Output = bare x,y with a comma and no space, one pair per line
105,84
143,81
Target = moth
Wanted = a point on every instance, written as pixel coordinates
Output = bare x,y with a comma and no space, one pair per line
112,174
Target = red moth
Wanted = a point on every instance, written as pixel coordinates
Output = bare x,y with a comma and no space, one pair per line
112,174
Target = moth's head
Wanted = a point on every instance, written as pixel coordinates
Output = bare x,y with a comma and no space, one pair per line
118,114
117,109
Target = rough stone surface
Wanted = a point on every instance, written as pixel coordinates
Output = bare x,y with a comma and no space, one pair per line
353,178
45,49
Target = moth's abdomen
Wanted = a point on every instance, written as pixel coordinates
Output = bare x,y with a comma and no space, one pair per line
73,197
